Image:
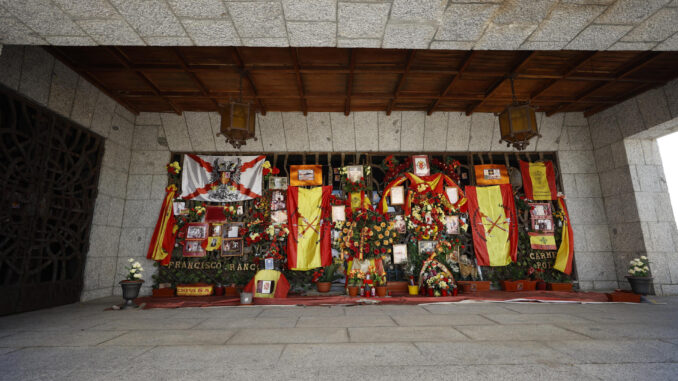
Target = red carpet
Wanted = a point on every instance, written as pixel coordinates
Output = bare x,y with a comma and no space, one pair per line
216,301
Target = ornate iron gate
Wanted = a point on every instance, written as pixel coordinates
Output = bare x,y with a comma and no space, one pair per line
49,175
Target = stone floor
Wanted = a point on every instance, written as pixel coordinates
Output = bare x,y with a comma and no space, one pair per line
444,341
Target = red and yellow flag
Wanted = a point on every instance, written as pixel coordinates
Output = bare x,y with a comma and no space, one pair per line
308,216
359,201
162,241
539,180
495,228
279,284
566,249
437,182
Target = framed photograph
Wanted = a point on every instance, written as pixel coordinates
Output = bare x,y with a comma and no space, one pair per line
216,230
427,247
278,200
179,207
397,195
231,247
193,249
354,173
399,224
399,254
240,210
213,243
543,225
420,164
302,175
452,194
491,174
277,183
454,255
338,213
265,286
232,230
540,210
279,217
451,225
196,231
268,264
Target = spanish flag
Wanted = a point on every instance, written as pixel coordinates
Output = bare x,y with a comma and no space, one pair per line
437,182
493,220
359,201
539,180
162,242
542,241
268,284
566,249
308,215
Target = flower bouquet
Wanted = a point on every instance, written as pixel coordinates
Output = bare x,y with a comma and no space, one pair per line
367,235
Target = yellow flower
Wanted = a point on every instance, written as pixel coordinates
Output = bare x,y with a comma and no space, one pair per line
385,242
266,164
376,243
381,236
383,224
377,228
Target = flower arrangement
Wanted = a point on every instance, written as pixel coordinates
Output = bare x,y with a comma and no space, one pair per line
173,170
355,278
367,234
447,168
639,267
349,186
436,277
268,171
325,274
427,216
230,212
134,270
379,279
394,168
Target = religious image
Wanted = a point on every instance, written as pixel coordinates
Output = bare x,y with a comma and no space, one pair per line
451,224
421,166
278,200
399,224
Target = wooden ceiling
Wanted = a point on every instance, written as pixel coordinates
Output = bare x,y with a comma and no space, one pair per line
177,79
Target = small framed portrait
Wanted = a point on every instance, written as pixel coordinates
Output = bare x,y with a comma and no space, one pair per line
399,254
354,173
427,247
179,207
338,213
268,264
278,200
420,165
397,195
213,243
231,247
193,249
240,210
399,224
428,218
196,230
265,286
279,217
454,255
451,225
277,183
452,194
543,225
302,175
540,210
233,230
216,230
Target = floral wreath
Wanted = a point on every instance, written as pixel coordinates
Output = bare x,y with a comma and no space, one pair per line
349,186
427,214
366,235
394,169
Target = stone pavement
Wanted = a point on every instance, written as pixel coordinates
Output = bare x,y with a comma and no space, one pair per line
443,341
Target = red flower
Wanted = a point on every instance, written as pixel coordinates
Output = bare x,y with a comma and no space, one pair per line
275,171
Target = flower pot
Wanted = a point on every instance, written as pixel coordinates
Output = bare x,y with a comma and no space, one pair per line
167,292
564,287
512,285
218,290
130,291
413,290
397,287
381,291
353,290
474,286
640,285
323,286
529,285
429,292
541,285
623,297
231,291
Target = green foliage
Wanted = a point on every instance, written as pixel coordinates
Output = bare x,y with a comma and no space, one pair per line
330,273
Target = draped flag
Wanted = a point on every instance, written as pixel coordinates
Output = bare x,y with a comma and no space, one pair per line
495,228
437,183
539,180
277,286
566,250
359,201
308,215
542,241
162,242
222,178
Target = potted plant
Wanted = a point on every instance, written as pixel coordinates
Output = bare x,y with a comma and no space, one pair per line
538,276
355,278
469,279
639,276
515,278
559,282
380,283
132,283
324,276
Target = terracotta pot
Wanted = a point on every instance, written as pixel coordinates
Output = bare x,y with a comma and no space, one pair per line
163,292
413,290
323,286
218,290
512,285
623,297
353,290
381,291
564,287
397,287
474,286
231,291
541,285
529,285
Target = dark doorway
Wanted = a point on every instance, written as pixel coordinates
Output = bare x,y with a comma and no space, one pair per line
49,171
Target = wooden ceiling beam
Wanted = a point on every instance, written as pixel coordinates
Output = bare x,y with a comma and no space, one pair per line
120,56
523,60
401,81
182,60
454,80
55,51
245,74
294,52
638,63
349,85
573,69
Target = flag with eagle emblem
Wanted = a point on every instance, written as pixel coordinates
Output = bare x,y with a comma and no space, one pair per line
222,178
495,227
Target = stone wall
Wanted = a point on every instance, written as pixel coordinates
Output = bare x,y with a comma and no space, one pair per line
38,76
157,134
634,188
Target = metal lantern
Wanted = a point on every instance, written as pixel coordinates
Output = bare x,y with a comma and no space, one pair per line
517,124
237,121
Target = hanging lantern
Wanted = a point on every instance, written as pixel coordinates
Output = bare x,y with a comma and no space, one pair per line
237,121
517,123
